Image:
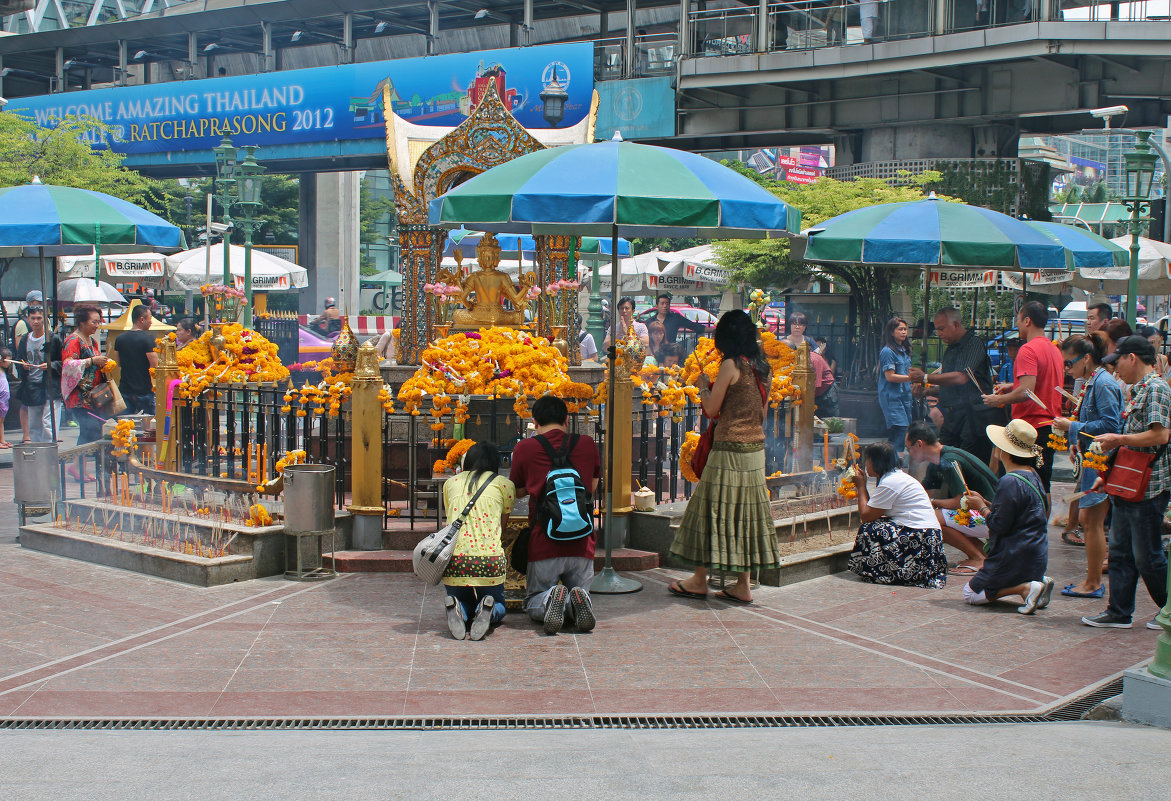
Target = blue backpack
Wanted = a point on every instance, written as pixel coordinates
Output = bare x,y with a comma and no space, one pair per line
565,507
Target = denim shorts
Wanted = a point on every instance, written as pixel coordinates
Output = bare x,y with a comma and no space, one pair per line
1093,498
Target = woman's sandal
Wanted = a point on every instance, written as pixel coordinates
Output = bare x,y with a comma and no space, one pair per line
1074,537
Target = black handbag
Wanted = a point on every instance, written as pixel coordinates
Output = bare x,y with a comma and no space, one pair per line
518,559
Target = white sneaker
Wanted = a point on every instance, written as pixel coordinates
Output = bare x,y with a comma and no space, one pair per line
1153,624
1032,597
1046,594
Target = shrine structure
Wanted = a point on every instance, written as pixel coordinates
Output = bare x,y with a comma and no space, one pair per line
426,161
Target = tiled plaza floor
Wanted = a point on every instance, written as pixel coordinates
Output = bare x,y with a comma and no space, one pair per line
82,640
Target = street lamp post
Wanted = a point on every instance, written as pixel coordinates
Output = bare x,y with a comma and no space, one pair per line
248,199
1140,173
225,168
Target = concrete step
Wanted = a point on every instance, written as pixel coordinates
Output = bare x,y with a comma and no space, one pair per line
399,561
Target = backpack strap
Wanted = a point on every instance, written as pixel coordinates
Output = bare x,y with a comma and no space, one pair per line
561,457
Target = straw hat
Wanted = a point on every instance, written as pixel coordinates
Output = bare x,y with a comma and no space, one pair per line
1018,438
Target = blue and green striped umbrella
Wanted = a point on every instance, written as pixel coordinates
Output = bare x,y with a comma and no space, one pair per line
1084,249
937,233
41,215
615,189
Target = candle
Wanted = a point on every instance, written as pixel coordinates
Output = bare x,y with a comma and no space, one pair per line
825,450
264,469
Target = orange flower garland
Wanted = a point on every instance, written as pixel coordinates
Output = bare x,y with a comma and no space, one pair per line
245,357
690,441
124,438
781,359
454,456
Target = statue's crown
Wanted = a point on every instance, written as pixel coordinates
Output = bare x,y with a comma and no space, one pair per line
488,245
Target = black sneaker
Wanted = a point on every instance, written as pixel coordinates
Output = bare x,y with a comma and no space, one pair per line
582,609
483,619
555,609
455,618
1107,621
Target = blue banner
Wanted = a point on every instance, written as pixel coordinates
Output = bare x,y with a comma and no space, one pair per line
641,108
323,104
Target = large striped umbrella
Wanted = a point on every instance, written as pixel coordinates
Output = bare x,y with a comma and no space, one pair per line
466,241
933,232
37,214
615,189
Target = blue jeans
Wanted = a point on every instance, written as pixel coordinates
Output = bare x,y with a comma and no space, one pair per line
469,599
897,436
1136,549
139,404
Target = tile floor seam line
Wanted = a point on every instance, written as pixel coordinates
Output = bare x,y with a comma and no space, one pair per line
876,642
892,657
585,673
415,647
156,641
748,659
244,658
130,637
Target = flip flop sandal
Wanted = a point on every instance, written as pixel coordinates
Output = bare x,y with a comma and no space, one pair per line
724,595
678,591
963,570
1073,538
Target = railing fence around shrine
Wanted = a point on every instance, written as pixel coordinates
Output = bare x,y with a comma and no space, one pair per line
222,429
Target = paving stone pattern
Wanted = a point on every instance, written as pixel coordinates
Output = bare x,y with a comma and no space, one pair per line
82,640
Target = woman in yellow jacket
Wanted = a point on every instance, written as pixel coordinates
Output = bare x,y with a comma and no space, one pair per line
474,579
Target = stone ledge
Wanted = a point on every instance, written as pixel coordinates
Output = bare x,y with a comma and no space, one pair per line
399,561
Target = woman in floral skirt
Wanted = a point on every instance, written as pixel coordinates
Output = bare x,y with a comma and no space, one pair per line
899,541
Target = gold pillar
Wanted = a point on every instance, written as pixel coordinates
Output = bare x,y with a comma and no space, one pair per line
623,438
553,265
166,371
803,380
366,451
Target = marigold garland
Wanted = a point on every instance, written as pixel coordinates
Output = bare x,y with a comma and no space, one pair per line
124,438
246,356
690,441
454,456
781,358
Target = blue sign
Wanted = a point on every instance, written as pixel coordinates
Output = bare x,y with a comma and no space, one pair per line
326,103
640,108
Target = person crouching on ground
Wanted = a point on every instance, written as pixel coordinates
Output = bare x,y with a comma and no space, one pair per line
570,562
899,541
947,487
474,579
1017,550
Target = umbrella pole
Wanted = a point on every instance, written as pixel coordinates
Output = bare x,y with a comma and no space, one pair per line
207,260
97,254
609,582
50,324
926,311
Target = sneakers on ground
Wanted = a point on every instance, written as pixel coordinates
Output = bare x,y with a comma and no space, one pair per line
1107,621
1153,624
483,619
1032,597
455,618
582,609
555,609
1046,593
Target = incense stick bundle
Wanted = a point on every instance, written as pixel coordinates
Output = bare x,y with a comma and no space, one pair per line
1067,395
1033,397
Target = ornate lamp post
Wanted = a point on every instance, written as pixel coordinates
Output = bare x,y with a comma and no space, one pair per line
248,189
554,97
1140,173
225,183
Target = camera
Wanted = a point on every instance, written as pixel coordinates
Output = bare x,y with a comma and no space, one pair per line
1108,112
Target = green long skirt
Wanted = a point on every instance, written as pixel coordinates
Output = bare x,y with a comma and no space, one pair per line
728,524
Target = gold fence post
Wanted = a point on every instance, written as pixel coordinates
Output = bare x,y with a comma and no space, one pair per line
366,451
166,371
803,379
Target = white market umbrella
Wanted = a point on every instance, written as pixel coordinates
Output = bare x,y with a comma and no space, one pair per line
140,268
637,273
269,273
1154,271
84,290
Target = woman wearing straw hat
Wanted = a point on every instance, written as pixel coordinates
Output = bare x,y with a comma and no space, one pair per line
1017,550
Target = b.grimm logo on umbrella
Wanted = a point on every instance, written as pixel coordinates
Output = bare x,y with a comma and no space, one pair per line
263,282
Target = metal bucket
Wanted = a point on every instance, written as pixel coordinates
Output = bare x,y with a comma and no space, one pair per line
308,495
35,472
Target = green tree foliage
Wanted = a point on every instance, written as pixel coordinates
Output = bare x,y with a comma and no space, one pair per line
63,156
767,262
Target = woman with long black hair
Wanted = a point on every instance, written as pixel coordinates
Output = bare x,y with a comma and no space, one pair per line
474,579
728,524
894,382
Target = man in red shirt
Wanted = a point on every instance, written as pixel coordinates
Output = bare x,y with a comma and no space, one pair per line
1038,368
570,562
825,394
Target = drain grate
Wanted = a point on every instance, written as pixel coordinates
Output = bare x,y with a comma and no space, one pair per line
1070,711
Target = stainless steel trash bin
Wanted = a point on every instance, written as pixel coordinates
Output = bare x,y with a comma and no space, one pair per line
35,477
309,516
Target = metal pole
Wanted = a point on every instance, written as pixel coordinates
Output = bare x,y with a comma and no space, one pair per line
207,257
608,582
1132,279
248,273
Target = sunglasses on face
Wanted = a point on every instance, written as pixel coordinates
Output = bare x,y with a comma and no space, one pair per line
1071,362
